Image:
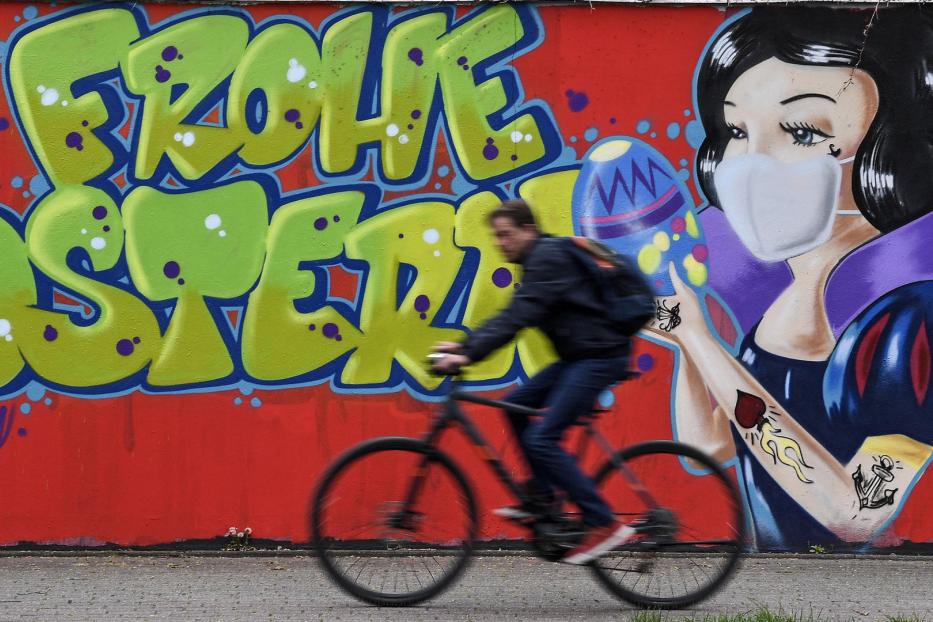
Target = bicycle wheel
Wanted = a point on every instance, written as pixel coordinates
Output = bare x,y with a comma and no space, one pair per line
689,539
376,546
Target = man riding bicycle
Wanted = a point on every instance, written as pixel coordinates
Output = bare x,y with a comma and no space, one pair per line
560,297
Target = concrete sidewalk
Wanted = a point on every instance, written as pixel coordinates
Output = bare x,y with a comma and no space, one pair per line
104,587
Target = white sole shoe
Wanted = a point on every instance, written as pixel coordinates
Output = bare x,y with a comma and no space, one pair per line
621,535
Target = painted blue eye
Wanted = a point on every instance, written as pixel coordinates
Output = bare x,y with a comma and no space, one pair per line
805,134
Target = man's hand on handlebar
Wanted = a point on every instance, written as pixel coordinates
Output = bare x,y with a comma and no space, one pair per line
450,360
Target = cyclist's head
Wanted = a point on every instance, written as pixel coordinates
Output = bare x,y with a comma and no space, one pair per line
514,227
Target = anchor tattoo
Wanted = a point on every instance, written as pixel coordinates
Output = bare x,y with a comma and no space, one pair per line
871,493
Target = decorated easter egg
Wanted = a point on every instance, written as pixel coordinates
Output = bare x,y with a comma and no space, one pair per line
629,197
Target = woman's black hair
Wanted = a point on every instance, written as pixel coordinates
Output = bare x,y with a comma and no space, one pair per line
893,177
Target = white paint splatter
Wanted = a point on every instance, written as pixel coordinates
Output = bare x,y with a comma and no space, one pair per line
431,236
9,337
437,253
403,138
222,233
64,102
528,138
212,221
312,84
516,136
187,139
296,71
392,129
178,137
83,231
49,96
5,327
41,88
98,243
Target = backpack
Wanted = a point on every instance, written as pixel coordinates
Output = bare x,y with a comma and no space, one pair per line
626,293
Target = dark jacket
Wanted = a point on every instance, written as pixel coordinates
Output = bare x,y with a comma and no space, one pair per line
560,297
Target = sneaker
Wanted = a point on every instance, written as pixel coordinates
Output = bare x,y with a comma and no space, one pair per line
597,542
515,512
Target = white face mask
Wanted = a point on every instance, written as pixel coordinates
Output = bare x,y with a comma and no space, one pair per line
780,210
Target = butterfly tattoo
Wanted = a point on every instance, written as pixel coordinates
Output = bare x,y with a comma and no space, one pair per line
668,317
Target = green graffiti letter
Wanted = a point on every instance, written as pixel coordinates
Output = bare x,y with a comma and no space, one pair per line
420,238
278,341
284,65
44,66
70,222
17,296
211,46
484,151
186,247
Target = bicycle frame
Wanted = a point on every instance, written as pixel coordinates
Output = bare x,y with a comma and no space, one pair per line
452,414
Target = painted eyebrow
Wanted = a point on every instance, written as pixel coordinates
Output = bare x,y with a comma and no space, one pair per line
806,95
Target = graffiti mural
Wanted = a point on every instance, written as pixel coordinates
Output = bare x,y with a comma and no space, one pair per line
230,236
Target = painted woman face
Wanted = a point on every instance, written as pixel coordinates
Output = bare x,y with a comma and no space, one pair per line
794,112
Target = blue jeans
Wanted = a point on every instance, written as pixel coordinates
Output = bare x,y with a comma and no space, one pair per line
568,390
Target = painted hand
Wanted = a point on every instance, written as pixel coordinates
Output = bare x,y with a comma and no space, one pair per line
679,314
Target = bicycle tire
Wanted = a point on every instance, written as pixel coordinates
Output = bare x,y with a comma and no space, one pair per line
732,554
326,554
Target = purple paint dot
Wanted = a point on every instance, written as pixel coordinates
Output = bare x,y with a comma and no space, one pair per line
292,115
169,53
181,57
181,281
612,120
311,326
424,316
124,347
320,224
84,123
99,212
136,339
490,140
336,218
171,269
569,93
462,60
490,152
514,157
21,431
517,285
700,252
415,114
106,228
50,333
422,303
416,56
502,277
162,74
339,337
645,362
330,330
577,101
466,67
74,141
4,123
299,125
401,235
410,126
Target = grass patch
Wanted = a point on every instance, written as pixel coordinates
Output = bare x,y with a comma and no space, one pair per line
761,615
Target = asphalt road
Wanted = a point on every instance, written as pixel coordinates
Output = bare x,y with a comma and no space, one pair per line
192,587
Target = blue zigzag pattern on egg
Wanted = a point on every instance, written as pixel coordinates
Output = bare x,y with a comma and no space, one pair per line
628,196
